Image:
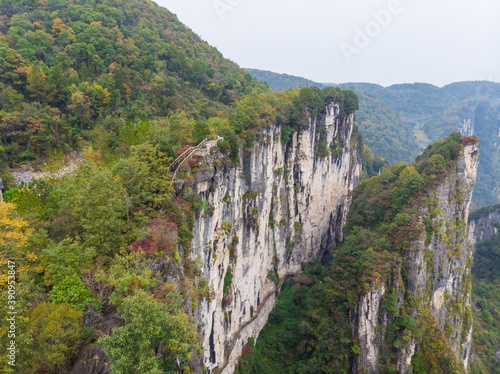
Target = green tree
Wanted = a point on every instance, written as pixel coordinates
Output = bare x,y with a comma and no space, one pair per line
38,86
99,203
72,291
180,129
153,338
56,332
200,131
127,274
60,260
145,176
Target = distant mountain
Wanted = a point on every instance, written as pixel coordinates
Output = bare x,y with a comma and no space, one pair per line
383,131
281,82
399,120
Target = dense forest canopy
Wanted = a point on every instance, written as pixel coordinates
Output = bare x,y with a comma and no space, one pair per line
73,71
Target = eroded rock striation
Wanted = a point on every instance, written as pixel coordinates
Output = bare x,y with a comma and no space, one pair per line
286,204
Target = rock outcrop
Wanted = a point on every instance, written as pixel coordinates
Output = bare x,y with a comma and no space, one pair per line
93,359
436,276
286,204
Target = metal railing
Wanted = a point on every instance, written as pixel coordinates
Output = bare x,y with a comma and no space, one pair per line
176,165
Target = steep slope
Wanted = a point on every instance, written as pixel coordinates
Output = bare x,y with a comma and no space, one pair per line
482,118
119,256
383,131
396,297
434,283
431,112
287,205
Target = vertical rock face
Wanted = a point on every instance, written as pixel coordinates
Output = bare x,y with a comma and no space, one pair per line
369,342
484,226
285,205
437,275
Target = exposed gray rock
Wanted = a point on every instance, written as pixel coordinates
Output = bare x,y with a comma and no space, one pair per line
484,227
93,360
167,268
105,321
284,206
26,173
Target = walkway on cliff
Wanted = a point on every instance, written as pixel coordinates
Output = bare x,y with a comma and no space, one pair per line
201,149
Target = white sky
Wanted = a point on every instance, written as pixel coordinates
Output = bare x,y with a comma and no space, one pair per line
432,41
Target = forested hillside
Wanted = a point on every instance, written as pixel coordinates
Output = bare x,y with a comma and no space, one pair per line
79,71
383,131
281,82
98,264
469,107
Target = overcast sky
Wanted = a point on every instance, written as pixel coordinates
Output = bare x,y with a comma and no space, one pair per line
337,41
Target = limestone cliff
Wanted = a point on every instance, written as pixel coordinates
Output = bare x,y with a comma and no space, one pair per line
432,282
484,223
286,204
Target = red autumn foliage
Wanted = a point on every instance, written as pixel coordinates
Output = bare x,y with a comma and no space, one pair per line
183,149
145,245
470,139
162,237
401,236
246,350
192,162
